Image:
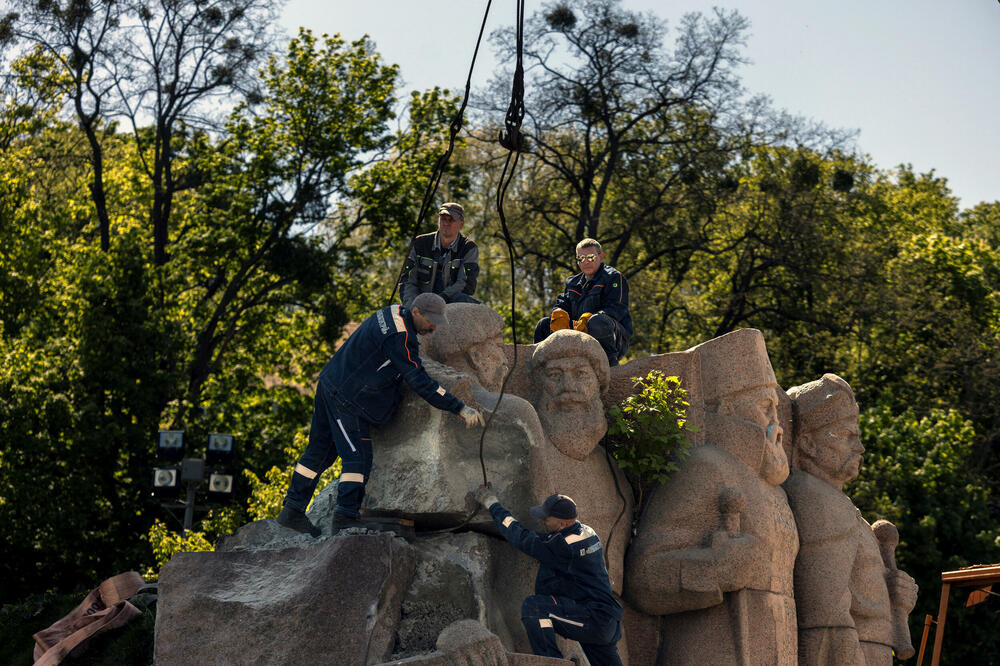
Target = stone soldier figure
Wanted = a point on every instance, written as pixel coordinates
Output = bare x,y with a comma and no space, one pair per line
851,605
716,545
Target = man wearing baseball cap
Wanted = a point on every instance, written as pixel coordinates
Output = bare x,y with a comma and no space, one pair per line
359,387
572,590
443,262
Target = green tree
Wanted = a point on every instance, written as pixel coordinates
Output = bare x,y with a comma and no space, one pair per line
918,474
618,120
105,347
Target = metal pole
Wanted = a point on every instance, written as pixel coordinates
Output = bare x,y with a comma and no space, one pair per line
189,509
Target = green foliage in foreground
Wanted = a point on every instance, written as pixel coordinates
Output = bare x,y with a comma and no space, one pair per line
647,429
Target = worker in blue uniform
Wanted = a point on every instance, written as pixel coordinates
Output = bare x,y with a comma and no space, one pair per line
594,301
360,387
572,590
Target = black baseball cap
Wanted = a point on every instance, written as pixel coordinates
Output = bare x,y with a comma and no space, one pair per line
556,506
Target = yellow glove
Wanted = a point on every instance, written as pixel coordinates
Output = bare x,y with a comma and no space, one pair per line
559,320
581,323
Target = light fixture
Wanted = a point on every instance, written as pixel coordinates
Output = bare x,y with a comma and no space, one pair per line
220,486
166,481
170,445
220,448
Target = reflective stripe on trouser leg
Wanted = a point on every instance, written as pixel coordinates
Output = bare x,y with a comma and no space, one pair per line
571,620
538,626
355,447
319,454
301,488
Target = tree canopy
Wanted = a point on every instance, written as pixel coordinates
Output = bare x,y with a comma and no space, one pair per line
192,210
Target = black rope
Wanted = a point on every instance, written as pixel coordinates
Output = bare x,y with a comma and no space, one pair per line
454,128
510,138
613,468
512,128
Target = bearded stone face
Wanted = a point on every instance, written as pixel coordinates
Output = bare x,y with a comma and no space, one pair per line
567,397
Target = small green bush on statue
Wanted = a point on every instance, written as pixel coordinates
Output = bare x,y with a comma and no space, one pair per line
648,429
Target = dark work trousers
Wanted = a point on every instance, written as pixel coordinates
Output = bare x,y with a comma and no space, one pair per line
334,432
544,616
603,328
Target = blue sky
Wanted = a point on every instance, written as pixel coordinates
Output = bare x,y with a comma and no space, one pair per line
919,79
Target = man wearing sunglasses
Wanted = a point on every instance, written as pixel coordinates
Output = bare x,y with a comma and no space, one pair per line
595,301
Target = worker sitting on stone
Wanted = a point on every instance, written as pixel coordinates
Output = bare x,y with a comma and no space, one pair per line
359,387
443,262
572,591
594,301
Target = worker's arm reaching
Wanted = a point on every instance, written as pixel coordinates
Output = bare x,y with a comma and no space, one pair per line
548,549
403,354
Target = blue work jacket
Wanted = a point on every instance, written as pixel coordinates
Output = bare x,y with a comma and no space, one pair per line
571,562
606,292
365,374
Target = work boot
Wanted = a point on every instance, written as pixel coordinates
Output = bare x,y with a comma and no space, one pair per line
345,522
297,520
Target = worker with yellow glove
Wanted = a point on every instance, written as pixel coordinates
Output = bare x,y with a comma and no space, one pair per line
594,301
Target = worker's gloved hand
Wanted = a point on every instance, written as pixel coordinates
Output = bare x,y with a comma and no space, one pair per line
485,496
581,323
471,417
558,320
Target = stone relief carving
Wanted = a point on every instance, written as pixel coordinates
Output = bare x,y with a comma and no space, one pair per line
852,601
716,545
724,567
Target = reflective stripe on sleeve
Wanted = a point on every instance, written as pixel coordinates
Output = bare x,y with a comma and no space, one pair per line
352,476
508,520
573,538
305,471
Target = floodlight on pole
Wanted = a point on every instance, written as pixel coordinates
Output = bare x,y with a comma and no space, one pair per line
220,486
220,448
166,481
170,445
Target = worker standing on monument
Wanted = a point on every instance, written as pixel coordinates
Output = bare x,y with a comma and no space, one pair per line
573,595
358,388
594,301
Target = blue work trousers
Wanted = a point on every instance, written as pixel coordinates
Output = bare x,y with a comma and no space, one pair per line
334,432
544,616
606,330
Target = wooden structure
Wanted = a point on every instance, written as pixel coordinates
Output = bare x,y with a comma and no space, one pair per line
980,575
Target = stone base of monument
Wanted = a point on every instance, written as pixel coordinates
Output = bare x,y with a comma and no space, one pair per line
268,594
399,526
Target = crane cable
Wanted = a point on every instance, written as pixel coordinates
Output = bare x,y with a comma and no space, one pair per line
511,139
453,129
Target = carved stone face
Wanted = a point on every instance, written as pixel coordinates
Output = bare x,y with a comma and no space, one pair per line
568,401
835,451
487,362
760,407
